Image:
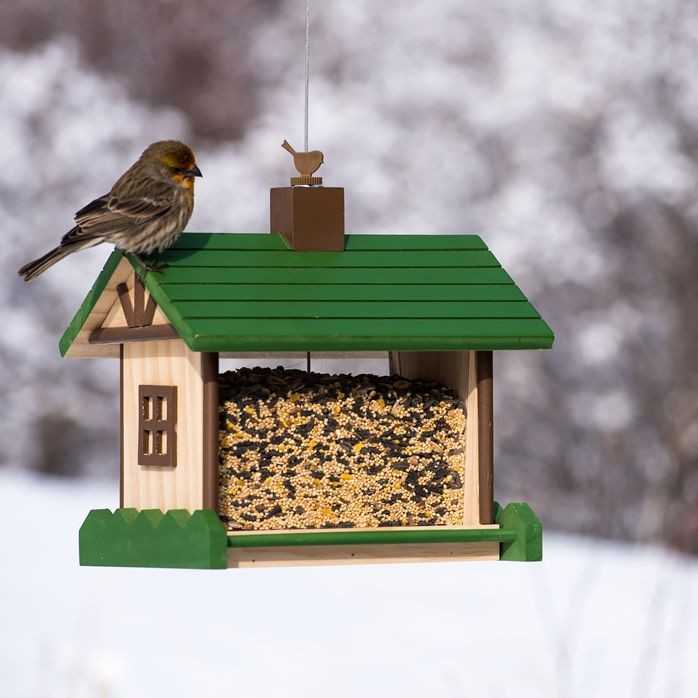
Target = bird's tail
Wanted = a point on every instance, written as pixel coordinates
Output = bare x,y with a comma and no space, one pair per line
39,266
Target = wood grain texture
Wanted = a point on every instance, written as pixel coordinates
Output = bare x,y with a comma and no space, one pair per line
485,404
472,435
309,218
446,367
360,554
156,487
209,367
135,306
119,335
94,310
456,370
126,304
121,426
138,302
117,316
360,529
108,313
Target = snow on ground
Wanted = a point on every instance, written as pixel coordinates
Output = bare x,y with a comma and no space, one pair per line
594,619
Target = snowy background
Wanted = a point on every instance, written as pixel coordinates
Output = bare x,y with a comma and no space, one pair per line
567,137
593,619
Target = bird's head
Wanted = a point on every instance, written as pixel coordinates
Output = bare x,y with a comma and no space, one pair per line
175,159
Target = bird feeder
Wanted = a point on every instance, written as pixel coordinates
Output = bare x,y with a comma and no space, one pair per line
435,306
275,468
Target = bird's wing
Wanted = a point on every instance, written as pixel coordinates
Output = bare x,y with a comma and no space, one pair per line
93,206
117,213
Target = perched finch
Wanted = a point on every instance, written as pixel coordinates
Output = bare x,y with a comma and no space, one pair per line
146,210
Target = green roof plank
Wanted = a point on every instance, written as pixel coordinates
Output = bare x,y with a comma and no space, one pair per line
320,309
255,241
327,292
186,272
366,334
364,259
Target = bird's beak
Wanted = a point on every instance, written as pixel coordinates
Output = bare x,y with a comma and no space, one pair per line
194,172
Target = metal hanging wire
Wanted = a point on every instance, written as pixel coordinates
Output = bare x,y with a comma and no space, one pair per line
307,68
307,95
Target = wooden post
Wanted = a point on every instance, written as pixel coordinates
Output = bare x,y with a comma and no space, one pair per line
209,372
485,405
121,426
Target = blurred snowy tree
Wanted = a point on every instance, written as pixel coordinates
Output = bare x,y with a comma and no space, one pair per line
191,56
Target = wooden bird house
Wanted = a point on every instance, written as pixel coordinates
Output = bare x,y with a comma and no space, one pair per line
435,306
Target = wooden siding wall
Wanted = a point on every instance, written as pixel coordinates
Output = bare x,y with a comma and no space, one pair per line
167,362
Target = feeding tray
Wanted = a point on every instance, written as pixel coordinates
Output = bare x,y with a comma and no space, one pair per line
434,306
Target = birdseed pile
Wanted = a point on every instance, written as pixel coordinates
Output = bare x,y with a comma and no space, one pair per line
313,450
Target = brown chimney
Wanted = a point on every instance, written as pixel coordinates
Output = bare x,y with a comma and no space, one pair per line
309,216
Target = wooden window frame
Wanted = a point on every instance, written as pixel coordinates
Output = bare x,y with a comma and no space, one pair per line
153,424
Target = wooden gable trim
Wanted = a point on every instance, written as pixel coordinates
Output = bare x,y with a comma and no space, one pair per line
138,313
117,335
106,323
125,300
118,269
128,296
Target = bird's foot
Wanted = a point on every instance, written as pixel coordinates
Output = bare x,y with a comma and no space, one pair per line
154,265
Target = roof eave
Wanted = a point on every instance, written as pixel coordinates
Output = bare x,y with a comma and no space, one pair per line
214,343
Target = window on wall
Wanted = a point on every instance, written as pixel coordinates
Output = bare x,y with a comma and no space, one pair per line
157,425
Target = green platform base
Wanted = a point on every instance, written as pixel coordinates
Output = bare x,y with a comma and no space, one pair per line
128,538
520,536
520,519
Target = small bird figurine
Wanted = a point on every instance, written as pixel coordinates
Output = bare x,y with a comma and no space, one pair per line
146,210
305,163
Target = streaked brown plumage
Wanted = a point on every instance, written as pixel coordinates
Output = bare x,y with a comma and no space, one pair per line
146,210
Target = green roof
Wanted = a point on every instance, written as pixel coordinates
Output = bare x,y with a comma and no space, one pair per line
250,292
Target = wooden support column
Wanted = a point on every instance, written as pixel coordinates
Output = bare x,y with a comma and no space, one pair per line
485,403
209,371
121,427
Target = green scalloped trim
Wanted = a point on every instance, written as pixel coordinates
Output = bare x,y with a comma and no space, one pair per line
150,538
